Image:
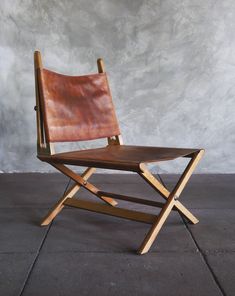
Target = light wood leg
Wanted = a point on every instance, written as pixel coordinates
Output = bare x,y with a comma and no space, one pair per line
153,182
156,227
171,202
82,182
69,194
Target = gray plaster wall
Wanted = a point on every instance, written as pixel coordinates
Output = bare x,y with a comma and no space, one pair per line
171,66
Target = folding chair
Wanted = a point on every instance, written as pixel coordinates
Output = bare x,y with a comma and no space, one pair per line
77,108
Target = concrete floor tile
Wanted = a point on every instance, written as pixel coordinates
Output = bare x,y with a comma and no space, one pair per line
120,275
216,230
31,189
14,270
223,265
207,191
20,230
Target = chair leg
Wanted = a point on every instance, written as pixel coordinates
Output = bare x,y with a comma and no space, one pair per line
170,203
156,227
82,182
186,213
152,181
69,194
147,176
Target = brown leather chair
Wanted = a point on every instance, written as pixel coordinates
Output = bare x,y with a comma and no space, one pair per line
77,108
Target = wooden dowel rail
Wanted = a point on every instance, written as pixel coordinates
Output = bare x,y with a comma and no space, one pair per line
132,199
112,211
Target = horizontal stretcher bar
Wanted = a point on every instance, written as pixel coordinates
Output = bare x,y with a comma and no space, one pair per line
112,211
132,199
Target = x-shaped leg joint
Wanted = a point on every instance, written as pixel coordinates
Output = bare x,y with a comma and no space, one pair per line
80,181
69,194
172,200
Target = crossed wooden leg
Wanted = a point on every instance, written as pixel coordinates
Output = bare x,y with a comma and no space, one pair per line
157,222
150,179
80,181
171,200
69,194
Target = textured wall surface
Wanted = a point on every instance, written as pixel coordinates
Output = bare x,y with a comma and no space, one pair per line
171,66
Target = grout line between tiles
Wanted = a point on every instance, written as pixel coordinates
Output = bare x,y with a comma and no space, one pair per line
131,252
34,261
203,256
212,252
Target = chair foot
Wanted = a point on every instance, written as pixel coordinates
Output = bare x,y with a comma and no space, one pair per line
112,202
185,213
141,252
193,220
51,215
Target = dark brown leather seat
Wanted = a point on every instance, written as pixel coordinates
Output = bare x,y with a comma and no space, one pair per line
120,157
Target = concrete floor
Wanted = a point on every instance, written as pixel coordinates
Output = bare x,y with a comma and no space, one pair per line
83,253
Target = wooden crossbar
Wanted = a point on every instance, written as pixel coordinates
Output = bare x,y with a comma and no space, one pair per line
133,199
112,211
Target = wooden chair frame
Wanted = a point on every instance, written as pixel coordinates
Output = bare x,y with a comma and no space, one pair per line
171,198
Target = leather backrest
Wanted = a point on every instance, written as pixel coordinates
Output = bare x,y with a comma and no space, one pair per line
76,107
